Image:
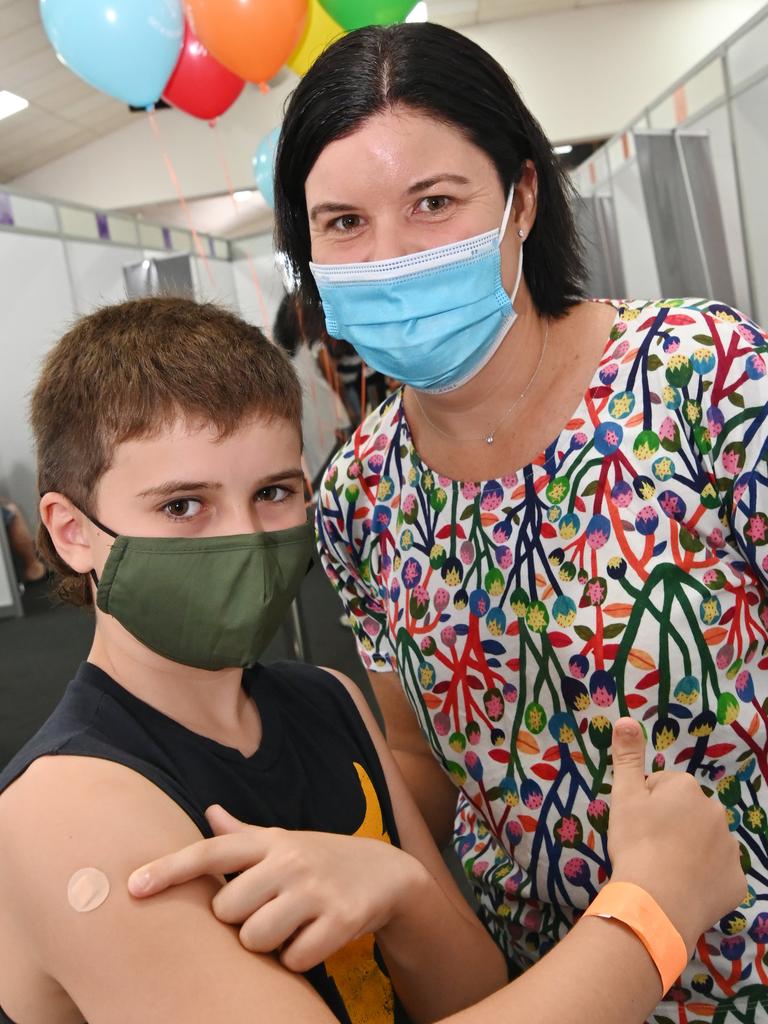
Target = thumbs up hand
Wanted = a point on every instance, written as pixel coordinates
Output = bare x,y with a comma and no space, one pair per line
667,837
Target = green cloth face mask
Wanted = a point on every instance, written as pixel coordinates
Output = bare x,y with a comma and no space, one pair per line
207,602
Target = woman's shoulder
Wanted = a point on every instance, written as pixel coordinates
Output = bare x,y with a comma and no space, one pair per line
688,320
364,454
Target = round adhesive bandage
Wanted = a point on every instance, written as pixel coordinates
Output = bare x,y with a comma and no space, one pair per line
87,889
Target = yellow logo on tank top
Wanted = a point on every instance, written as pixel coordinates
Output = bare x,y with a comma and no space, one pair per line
365,989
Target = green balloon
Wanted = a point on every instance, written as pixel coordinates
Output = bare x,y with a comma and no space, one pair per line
351,14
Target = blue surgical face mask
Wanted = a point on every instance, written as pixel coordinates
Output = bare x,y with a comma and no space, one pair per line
432,319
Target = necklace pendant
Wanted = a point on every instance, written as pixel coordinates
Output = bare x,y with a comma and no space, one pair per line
489,439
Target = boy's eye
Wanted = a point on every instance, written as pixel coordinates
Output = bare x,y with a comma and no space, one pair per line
273,493
182,508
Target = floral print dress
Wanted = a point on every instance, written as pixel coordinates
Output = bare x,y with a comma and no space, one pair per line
624,571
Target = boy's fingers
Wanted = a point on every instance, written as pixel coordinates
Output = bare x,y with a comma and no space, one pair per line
221,855
222,822
628,752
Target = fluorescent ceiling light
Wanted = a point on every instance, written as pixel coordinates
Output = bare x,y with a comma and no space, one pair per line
419,12
562,150
243,196
10,103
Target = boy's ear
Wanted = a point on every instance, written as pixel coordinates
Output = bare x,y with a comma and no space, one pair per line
66,526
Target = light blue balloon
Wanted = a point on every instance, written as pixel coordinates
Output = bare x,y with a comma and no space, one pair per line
127,48
264,165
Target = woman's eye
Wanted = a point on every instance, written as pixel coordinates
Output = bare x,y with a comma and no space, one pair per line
347,222
272,494
433,204
182,508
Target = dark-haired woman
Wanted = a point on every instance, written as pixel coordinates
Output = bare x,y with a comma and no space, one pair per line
559,519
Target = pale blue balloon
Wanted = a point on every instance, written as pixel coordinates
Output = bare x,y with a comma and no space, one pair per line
127,48
264,165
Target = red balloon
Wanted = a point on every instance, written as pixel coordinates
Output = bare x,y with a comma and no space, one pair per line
200,85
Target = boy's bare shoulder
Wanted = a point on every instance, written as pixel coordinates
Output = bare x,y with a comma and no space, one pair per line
69,813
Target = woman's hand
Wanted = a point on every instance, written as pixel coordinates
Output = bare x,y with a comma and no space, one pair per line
304,894
666,836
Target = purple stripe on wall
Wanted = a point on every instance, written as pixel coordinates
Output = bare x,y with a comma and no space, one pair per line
6,213
103,226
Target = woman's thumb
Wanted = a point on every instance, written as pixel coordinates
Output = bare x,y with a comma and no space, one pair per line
222,822
628,752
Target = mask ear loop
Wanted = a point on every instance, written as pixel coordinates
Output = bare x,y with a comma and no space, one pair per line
507,212
104,529
502,231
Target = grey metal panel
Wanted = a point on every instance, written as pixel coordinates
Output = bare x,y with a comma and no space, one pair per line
684,213
678,256
697,157
10,602
171,275
596,224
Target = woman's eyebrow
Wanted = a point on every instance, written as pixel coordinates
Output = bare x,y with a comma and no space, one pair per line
315,212
420,186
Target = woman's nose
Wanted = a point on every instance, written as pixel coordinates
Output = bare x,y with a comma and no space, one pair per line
390,241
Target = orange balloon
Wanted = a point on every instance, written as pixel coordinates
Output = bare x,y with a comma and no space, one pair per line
253,38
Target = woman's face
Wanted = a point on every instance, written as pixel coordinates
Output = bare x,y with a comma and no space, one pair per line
402,183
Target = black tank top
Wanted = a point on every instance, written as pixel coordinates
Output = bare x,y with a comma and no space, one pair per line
316,768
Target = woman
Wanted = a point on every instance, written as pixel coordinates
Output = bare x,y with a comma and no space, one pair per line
558,520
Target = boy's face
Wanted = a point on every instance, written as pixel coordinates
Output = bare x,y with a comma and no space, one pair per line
185,482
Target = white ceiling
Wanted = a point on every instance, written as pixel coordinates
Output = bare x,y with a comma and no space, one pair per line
64,113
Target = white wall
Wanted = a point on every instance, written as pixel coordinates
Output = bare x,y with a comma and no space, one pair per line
37,306
97,273
750,123
584,72
126,168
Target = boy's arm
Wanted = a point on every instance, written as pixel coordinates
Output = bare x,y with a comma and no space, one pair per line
166,959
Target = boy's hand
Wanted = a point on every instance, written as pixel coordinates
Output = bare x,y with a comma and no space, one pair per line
667,837
304,895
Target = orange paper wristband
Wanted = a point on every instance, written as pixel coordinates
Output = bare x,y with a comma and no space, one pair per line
640,912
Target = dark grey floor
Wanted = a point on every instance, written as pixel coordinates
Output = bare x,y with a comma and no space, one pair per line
40,652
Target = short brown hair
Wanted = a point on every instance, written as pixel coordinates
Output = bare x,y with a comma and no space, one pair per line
128,370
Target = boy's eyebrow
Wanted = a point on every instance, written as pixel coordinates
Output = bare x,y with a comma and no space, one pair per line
175,486
172,486
294,473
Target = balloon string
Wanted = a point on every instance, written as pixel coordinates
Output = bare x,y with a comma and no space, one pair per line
180,194
251,265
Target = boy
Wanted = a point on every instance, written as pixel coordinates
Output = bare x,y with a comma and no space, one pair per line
169,469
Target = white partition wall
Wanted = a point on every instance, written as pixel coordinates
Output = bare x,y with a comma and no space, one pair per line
750,117
58,262
37,304
723,246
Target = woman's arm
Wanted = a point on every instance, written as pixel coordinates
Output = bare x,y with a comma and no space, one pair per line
433,792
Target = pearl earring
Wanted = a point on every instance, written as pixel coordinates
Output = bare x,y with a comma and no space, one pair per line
520,233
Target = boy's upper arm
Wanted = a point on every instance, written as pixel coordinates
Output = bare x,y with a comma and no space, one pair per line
158,960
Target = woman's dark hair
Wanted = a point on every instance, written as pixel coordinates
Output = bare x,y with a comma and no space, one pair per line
297,323
435,70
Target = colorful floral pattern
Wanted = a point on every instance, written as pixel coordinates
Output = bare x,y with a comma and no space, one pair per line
623,572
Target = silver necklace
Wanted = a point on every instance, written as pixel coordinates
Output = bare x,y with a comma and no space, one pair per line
490,436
